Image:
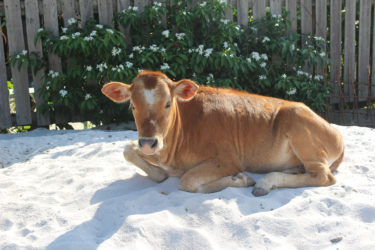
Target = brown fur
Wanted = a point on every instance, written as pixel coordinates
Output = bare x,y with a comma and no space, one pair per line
220,133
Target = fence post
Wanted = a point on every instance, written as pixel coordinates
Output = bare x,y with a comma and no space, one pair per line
321,29
105,9
291,6
243,12
275,6
364,49
259,9
17,45
32,26
335,49
5,120
85,10
349,49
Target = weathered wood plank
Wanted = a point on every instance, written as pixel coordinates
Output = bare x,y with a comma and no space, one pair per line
124,5
229,10
321,29
259,9
291,6
142,3
68,10
86,10
54,62
243,12
335,49
16,45
349,50
364,49
306,27
105,9
5,119
32,26
275,6
373,62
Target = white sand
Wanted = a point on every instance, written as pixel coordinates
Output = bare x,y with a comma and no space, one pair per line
74,190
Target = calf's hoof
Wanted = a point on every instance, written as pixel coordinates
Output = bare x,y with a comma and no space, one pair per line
258,191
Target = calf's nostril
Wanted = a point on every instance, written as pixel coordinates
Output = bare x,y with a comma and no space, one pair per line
151,142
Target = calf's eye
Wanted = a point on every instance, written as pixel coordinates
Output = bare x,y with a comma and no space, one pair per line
168,105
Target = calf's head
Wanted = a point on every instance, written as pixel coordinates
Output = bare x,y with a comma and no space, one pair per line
153,98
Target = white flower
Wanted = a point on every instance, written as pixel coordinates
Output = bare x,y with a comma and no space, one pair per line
24,52
318,77
200,49
225,45
88,38
208,52
99,26
322,54
255,56
291,91
262,77
318,38
203,4
263,65
129,64
276,16
63,92
292,47
140,70
163,50
64,30
74,35
266,39
131,55
300,73
121,66
93,33
87,96
210,77
283,76
165,66
180,36
17,56
264,57
116,51
64,37
165,33
184,12
53,74
101,67
157,4
72,21
40,30
89,68
135,8
224,21
248,60
154,48
110,31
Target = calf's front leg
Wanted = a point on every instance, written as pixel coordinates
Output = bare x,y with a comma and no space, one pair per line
210,176
133,155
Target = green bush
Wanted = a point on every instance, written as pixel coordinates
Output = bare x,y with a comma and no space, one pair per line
196,43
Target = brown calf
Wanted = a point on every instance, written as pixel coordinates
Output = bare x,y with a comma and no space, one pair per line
209,136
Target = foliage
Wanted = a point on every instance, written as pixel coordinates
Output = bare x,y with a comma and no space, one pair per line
183,42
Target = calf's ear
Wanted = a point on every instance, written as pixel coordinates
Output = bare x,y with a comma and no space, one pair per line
185,90
117,91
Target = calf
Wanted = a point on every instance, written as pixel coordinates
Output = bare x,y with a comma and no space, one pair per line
209,137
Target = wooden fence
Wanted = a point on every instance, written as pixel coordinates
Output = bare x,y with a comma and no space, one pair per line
349,49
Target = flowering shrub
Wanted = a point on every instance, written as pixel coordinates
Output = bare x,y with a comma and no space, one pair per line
197,43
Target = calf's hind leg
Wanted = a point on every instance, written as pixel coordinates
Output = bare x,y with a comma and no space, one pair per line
313,154
209,177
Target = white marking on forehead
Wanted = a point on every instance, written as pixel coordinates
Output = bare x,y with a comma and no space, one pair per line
153,123
149,96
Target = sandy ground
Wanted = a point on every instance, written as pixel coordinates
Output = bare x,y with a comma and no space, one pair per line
74,190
